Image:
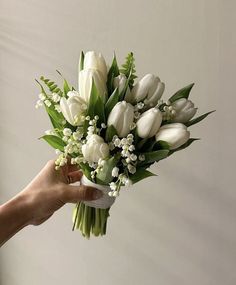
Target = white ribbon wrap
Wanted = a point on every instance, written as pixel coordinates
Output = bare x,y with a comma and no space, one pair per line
105,201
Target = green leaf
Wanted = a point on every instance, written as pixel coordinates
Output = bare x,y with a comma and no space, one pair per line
110,133
66,87
86,169
161,145
104,176
112,73
188,143
111,102
182,93
81,61
140,174
56,118
154,156
54,141
198,119
128,69
51,85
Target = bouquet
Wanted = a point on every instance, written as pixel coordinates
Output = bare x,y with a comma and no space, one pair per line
113,129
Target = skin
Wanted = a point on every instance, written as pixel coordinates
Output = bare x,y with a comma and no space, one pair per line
44,195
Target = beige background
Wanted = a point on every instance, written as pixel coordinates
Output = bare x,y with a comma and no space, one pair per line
176,229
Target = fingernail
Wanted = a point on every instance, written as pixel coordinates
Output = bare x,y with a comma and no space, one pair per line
97,194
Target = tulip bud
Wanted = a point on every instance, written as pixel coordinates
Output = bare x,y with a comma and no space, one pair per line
86,77
95,149
93,60
174,134
149,90
121,117
183,110
73,108
149,123
120,82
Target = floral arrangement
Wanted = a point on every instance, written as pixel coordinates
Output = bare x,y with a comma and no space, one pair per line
114,129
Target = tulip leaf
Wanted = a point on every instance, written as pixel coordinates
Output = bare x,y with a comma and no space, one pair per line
182,93
96,105
110,133
111,102
161,145
81,61
198,119
86,169
112,73
154,156
104,176
54,141
140,174
55,117
66,87
188,143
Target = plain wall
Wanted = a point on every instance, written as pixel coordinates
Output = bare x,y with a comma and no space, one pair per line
174,229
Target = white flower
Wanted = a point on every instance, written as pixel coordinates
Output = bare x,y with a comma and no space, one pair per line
42,96
121,117
73,109
47,103
86,77
93,60
184,110
149,123
113,186
95,148
67,132
149,89
56,97
175,134
131,168
115,172
120,82
57,108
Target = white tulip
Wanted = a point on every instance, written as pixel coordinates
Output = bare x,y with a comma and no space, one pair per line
86,77
95,149
175,134
120,82
149,123
121,117
93,60
183,110
149,90
73,109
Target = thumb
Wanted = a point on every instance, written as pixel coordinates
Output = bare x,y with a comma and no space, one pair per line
74,194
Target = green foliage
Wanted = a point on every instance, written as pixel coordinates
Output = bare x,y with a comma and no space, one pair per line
81,61
188,143
66,86
110,133
104,176
86,169
112,73
54,141
96,105
198,119
154,156
182,93
52,86
128,69
140,174
111,102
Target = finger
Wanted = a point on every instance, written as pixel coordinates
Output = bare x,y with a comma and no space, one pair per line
75,176
74,194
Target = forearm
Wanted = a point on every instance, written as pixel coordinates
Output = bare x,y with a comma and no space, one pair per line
14,215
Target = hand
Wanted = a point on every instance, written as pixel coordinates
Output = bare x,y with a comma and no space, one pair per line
50,190
46,193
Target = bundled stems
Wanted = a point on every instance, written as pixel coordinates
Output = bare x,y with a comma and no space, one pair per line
90,220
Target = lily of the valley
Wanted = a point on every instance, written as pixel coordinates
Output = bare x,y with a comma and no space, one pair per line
95,149
183,110
149,123
175,134
121,117
149,90
73,108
